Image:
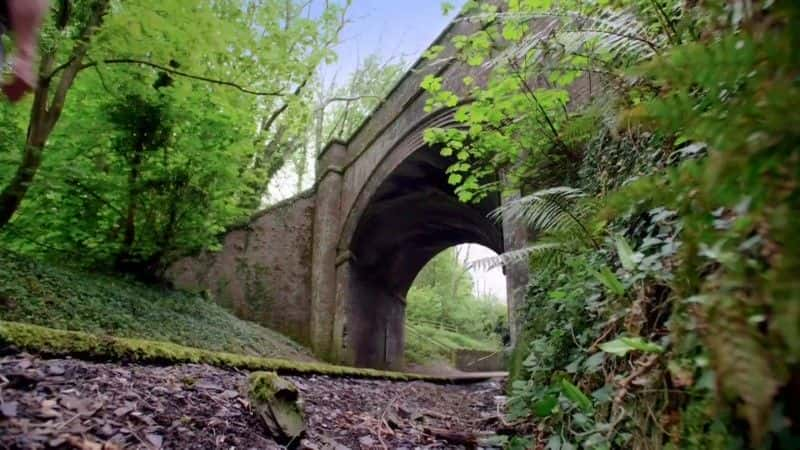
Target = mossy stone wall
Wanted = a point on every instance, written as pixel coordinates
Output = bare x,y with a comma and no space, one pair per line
263,271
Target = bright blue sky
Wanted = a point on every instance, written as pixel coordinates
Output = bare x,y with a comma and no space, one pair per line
391,28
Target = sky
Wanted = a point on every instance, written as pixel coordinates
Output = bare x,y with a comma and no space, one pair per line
390,28
399,30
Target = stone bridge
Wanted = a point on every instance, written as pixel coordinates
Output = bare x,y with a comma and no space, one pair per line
332,266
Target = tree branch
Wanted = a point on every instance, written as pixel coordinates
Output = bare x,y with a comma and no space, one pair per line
354,98
532,95
173,72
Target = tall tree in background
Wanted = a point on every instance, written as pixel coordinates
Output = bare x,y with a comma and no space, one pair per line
340,108
159,148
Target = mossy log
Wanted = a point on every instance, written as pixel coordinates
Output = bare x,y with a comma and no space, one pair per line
278,403
59,343
50,342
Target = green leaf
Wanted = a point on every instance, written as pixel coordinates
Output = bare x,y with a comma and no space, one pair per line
575,395
513,31
447,8
545,406
433,52
455,179
465,196
432,84
623,345
627,256
609,280
594,362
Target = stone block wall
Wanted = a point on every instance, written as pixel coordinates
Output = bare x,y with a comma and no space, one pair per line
263,271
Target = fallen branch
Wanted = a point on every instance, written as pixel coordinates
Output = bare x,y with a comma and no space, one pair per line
383,420
434,414
468,439
625,383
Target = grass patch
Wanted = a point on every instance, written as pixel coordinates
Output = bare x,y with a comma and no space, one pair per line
41,294
60,343
427,343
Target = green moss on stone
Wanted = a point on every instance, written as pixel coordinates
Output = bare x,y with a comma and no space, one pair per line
264,385
277,401
59,343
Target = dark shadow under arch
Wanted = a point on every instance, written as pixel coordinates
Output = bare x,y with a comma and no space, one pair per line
410,218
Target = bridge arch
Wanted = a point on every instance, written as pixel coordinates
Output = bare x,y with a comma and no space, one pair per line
405,214
401,151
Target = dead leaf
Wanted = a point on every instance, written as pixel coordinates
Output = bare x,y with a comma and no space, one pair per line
9,409
83,444
229,394
71,403
55,369
48,409
209,386
106,431
123,410
155,439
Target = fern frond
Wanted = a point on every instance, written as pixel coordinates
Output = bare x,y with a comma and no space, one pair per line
543,211
614,34
617,32
555,213
515,256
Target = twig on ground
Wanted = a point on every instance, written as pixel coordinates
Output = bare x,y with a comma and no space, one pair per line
383,420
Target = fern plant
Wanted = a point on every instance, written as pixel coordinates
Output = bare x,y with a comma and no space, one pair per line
554,216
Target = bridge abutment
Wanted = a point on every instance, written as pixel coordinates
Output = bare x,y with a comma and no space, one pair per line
515,237
327,226
369,320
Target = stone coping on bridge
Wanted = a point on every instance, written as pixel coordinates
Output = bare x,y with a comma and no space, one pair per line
50,342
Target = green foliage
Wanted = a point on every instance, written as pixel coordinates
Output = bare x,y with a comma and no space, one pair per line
353,102
442,294
429,343
521,123
621,346
443,314
42,294
159,149
678,319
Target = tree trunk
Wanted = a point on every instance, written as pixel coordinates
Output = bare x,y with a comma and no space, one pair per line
129,235
43,116
38,131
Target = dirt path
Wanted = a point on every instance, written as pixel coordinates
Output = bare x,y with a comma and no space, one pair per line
82,405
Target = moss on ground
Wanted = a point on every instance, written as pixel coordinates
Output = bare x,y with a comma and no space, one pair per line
60,343
42,294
